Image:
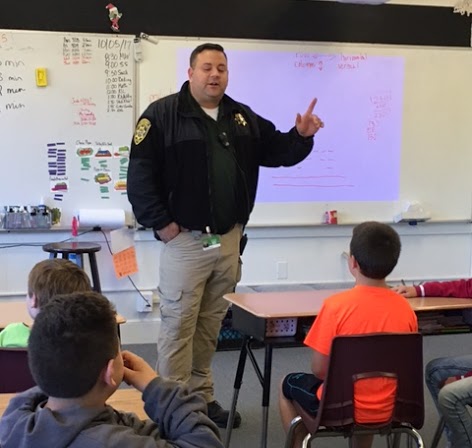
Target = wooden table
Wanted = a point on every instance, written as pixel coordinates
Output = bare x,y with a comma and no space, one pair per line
128,400
251,312
17,312
270,305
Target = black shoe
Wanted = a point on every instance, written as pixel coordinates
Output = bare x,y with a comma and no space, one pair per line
218,415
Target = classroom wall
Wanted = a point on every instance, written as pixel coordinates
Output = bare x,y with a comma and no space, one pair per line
313,254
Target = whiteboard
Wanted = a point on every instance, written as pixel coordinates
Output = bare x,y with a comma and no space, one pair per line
424,143
66,144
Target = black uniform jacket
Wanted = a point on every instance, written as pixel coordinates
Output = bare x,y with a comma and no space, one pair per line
168,173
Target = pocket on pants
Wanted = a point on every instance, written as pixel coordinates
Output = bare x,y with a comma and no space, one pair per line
169,296
170,303
170,306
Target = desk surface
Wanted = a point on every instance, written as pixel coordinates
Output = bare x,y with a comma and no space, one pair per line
128,400
273,305
17,312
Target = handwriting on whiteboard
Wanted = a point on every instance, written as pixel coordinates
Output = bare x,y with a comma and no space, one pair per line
12,87
320,62
381,109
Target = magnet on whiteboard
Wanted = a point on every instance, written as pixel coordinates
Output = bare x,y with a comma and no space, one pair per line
148,38
41,77
138,51
413,213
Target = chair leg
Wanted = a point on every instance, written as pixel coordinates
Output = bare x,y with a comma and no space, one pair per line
396,440
291,431
411,434
307,441
438,433
416,435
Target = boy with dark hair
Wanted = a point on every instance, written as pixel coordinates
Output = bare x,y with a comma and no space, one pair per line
76,361
47,279
369,307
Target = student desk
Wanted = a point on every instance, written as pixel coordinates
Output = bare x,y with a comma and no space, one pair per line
251,312
17,312
128,400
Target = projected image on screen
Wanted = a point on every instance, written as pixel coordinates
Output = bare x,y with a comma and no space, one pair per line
356,157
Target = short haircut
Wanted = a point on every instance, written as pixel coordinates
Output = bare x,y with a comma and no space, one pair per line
203,47
376,248
72,339
56,276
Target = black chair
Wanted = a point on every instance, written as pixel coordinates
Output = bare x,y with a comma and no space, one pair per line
65,250
391,355
15,375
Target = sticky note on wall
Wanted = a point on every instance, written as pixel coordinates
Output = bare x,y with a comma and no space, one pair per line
41,77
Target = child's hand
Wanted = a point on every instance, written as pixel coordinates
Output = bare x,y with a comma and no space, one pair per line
405,291
137,372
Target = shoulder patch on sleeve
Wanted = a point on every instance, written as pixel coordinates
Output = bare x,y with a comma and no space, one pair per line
142,129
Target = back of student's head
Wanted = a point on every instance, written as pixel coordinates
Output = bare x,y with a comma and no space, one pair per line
49,278
71,341
376,248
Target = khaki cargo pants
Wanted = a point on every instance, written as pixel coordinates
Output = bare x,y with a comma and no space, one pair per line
191,288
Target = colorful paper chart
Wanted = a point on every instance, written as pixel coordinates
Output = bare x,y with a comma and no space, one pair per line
125,262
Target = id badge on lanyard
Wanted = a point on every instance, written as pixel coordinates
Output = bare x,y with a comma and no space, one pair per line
210,241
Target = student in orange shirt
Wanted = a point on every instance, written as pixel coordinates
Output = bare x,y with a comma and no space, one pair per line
369,307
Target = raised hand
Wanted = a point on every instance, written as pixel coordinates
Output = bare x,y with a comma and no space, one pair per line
308,124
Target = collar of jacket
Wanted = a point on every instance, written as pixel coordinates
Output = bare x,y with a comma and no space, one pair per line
188,106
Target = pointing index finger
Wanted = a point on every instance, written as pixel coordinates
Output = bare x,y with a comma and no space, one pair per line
312,106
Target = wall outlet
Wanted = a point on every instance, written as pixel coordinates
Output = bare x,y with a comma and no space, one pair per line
144,306
282,270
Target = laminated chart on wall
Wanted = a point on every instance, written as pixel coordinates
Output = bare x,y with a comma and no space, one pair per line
66,142
105,165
